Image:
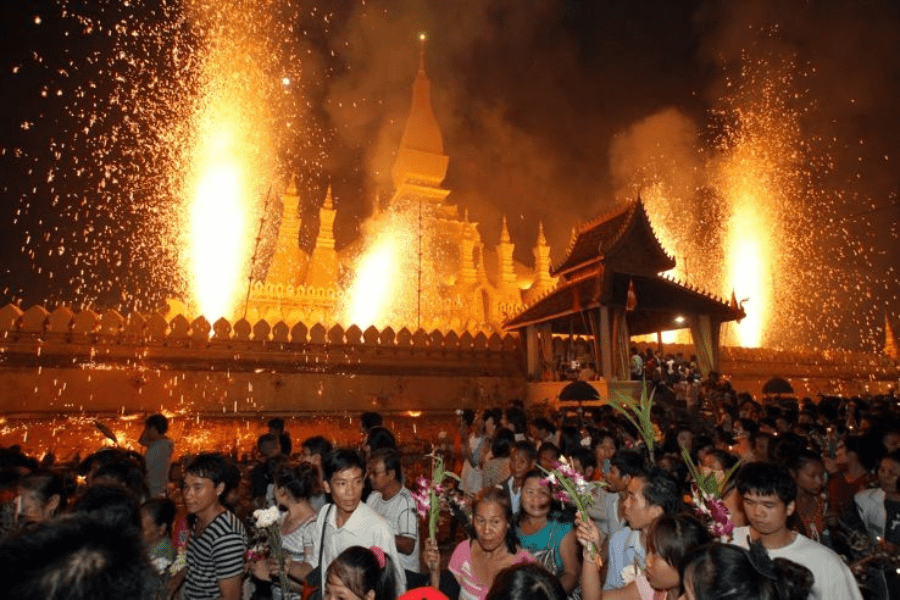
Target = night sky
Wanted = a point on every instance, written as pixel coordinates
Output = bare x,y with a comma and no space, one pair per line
551,111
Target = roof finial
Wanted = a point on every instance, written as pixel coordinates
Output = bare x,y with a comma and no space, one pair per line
541,240
329,201
504,232
422,38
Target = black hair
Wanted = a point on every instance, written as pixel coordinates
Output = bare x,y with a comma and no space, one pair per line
468,416
727,572
527,580
159,422
585,457
527,448
629,462
317,446
517,419
803,458
370,420
500,497
545,424
549,447
767,479
123,472
359,570
672,537
491,413
209,465
391,459
600,435
268,440
300,481
43,485
113,504
380,437
569,439
162,511
661,489
502,443
341,459
276,423
725,458
77,557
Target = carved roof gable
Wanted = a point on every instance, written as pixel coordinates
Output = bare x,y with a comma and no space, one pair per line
625,239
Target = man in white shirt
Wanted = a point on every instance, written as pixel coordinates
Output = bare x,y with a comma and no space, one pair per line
348,522
769,492
397,507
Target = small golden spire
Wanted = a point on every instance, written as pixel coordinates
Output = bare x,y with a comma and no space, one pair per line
504,232
541,240
422,39
292,186
329,201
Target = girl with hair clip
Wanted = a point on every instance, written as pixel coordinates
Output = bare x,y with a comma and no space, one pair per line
727,572
669,539
361,574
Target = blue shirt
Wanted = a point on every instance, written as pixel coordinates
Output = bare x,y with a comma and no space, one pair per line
624,549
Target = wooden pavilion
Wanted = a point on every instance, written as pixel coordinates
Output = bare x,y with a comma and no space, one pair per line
611,287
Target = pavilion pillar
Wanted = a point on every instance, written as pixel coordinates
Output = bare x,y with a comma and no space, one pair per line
533,353
606,344
705,334
620,357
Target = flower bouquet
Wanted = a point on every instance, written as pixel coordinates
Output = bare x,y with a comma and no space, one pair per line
428,494
266,523
707,494
570,487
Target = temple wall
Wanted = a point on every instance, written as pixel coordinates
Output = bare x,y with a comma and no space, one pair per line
67,362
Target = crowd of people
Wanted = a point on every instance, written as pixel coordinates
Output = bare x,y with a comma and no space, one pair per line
807,506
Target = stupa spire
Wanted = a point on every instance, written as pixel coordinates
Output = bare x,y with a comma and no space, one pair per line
504,231
421,154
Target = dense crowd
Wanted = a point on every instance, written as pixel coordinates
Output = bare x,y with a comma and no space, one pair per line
806,504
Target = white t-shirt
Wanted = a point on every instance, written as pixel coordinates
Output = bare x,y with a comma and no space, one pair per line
832,579
401,516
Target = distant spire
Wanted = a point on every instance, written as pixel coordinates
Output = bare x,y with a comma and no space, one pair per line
541,240
422,39
329,200
421,153
292,186
504,232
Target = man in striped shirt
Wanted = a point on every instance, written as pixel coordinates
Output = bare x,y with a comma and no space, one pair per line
215,552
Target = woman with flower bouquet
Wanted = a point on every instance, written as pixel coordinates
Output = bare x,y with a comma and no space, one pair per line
288,532
492,547
545,531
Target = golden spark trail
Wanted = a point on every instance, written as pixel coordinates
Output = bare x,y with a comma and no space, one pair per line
231,160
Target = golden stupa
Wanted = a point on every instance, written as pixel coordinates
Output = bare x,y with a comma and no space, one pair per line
417,262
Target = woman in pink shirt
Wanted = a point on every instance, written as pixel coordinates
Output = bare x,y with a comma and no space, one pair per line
493,547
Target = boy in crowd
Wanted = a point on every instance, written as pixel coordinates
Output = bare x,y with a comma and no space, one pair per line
158,457
769,492
215,551
521,460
